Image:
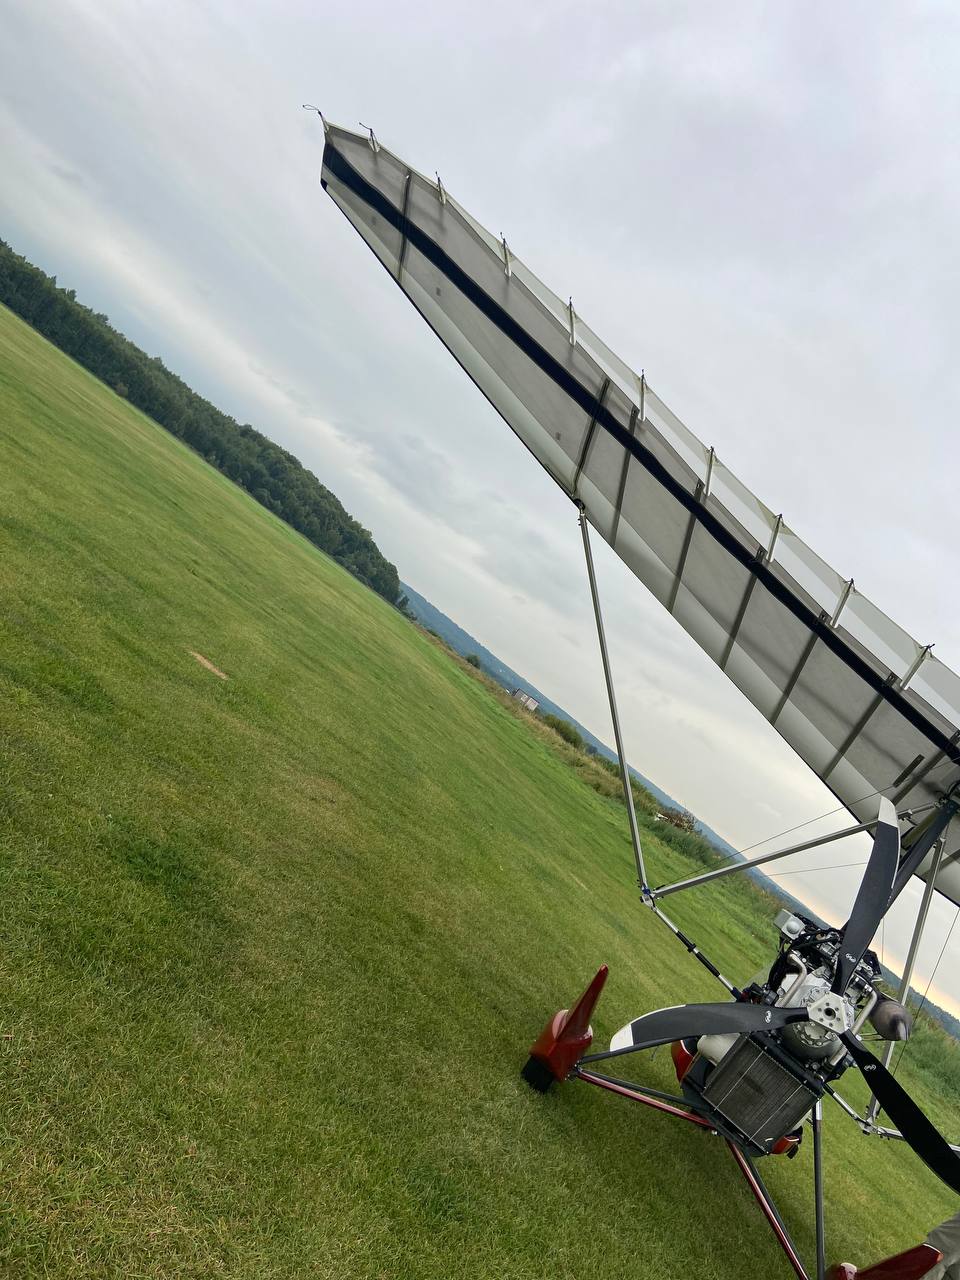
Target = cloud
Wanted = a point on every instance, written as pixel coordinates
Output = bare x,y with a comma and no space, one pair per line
68,175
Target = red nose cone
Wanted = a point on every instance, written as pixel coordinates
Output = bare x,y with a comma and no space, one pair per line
566,1037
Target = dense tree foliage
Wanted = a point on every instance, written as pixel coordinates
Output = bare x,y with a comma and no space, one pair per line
268,473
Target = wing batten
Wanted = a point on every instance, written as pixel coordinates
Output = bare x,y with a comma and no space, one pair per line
738,579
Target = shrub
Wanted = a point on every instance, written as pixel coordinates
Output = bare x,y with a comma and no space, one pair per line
566,730
682,819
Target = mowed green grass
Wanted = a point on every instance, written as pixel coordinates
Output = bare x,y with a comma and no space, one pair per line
272,948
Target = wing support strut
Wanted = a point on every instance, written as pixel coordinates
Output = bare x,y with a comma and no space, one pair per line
614,715
904,991
926,838
646,894
733,868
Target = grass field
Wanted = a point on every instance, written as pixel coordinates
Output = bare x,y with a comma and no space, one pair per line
273,947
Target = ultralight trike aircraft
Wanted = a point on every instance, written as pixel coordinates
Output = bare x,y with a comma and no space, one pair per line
874,714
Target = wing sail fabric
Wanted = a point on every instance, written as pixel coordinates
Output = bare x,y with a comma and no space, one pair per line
865,706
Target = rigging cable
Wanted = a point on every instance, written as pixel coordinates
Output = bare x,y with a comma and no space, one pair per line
837,866
923,998
809,822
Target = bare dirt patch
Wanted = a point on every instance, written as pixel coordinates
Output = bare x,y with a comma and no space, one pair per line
205,662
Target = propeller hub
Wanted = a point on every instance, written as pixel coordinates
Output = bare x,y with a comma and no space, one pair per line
831,1011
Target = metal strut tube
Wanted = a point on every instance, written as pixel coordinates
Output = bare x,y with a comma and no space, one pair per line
625,768
879,1131
762,1195
662,890
649,1097
926,837
818,1189
928,890
614,716
659,1102
845,1106
696,952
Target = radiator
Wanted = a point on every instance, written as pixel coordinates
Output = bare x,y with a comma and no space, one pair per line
758,1096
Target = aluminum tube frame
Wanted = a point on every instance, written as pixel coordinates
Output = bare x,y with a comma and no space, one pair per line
695,951
912,859
929,888
614,715
818,1189
665,1102
697,954
879,1131
663,890
842,1103
873,1130
765,1201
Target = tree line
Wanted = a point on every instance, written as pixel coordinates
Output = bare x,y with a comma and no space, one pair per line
271,475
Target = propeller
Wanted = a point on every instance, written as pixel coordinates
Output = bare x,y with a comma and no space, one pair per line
738,1017
872,899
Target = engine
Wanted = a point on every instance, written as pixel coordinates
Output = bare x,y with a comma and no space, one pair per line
763,1086
803,973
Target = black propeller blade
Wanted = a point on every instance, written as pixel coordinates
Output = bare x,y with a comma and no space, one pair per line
683,1020
873,897
919,1134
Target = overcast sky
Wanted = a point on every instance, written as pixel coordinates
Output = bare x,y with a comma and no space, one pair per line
757,203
